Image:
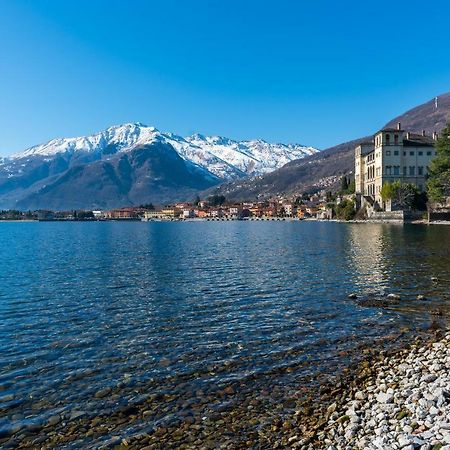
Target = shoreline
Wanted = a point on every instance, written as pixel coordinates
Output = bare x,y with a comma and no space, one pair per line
266,219
307,425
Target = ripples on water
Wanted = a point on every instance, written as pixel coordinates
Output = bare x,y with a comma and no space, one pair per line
188,307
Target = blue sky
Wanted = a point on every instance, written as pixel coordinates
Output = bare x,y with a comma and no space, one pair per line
317,72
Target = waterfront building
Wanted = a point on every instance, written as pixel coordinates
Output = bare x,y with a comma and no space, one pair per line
188,213
301,212
123,213
256,211
162,214
171,213
98,214
289,209
235,212
393,154
217,212
201,213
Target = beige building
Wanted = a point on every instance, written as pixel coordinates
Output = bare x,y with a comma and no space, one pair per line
163,214
394,154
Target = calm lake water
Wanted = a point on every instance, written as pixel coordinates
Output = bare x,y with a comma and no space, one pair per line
94,315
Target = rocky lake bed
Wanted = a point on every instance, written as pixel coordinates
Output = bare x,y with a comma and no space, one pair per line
397,396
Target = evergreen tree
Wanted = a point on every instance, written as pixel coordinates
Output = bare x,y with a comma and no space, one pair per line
351,187
216,200
439,173
344,184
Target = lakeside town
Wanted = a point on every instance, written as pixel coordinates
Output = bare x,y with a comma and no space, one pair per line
398,176
321,205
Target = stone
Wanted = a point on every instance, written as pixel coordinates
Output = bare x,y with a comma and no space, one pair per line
102,392
403,440
229,390
76,415
384,397
53,420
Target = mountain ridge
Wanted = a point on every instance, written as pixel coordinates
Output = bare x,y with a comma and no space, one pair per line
324,169
224,157
32,179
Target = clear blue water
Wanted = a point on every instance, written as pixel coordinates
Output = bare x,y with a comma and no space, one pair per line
147,308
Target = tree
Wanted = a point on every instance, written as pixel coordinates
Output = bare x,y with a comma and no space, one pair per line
351,187
216,200
388,190
345,210
84,215
438,185
344,184
404,196
197,200
148,206
347,185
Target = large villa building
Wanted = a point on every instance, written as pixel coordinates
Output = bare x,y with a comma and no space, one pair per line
394,154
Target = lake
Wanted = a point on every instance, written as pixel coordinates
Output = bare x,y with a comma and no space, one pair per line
192,317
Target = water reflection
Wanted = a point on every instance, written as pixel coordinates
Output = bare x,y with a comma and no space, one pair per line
369,252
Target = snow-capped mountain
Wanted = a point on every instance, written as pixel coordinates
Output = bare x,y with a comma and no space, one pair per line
225,158
132,164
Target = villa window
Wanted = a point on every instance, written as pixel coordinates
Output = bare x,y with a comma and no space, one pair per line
388,139
404,153
428,153
411,153
420,153
420,170
412,170
405,171
396,139
396,170
388,153
396,152
388,170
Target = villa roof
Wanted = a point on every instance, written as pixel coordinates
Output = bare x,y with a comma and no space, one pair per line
417,140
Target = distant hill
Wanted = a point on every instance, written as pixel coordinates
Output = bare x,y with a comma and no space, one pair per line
324,169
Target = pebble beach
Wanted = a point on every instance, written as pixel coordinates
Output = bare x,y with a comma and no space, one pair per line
401,402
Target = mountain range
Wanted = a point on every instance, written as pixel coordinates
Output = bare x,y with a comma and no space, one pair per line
323,170
132,164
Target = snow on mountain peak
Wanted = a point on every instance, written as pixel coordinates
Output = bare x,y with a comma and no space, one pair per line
221,156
